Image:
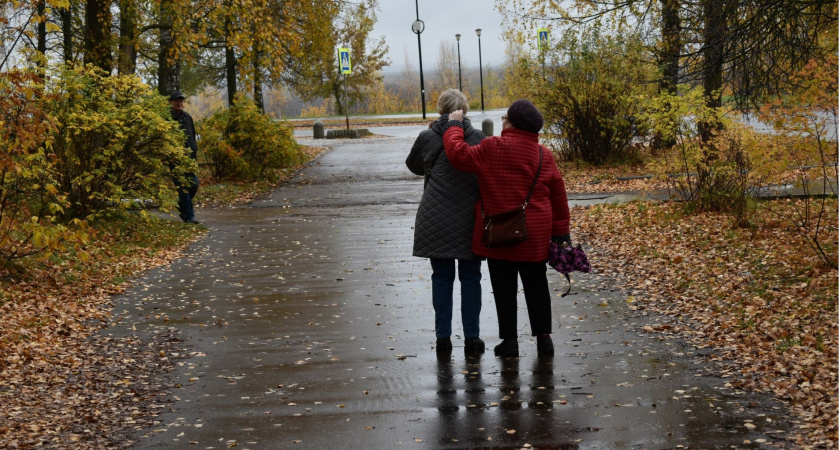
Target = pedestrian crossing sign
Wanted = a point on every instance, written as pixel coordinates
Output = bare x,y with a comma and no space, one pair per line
542,38
344,60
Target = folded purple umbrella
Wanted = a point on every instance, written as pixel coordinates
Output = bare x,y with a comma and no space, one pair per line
566,259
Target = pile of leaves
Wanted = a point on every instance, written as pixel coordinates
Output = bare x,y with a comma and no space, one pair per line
588,179
60,382
759,299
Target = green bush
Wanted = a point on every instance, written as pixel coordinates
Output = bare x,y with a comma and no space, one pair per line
113,142
242,143
29,197
591,97
723,174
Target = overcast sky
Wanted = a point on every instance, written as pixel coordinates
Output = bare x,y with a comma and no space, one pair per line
443,19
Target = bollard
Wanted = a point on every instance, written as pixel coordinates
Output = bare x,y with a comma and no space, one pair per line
318,130
487,127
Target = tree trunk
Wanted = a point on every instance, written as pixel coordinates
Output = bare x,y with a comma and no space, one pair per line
671,46
98,34
169,65
66,15
337,92
128,38
712,70
713,43
42,37
230,61
669,60
258,88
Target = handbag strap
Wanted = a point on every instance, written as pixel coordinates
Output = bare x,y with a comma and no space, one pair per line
530,191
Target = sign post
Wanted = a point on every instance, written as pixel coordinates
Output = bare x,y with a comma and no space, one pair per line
344,65
542,44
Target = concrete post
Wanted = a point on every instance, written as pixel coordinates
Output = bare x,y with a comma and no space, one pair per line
487,127
318,130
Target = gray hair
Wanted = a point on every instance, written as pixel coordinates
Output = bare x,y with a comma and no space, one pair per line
452,100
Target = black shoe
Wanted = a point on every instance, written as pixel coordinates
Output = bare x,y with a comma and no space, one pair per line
192,221
473,345
545,346
508,347
443,345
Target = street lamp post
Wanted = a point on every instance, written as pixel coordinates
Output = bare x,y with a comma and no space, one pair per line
480,74
417,27
460,86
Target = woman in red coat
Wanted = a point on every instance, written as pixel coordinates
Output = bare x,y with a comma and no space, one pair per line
506,166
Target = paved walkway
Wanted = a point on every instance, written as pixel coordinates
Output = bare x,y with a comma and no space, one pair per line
309,324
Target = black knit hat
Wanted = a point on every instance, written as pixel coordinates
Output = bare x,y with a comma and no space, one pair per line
523,115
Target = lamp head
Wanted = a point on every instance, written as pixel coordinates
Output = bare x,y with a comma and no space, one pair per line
457,37
478,32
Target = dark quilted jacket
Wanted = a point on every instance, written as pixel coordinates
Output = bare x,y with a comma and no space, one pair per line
446,215
505,166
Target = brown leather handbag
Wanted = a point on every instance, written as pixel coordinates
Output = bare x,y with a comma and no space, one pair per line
508,228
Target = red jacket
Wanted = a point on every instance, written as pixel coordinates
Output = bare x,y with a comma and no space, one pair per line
505,166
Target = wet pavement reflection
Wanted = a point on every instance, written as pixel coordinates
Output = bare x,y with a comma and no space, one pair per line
307,323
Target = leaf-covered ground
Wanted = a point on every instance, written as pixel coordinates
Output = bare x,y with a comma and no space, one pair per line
758,299
625,178
60,384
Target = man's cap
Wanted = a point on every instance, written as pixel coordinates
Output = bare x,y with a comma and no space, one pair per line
175,95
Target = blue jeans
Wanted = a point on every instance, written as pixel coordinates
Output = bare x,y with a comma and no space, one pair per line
185,197
443,278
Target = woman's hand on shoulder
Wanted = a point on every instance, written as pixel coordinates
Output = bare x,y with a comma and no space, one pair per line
457,115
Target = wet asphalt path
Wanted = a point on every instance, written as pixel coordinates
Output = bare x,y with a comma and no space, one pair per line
308,324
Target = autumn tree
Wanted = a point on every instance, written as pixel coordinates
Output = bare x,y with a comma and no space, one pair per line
409,85
447,68
283,33
748,49
322,79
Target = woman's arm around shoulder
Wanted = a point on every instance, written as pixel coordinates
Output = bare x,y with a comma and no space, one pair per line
462,156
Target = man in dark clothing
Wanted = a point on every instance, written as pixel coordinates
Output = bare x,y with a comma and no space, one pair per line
185,193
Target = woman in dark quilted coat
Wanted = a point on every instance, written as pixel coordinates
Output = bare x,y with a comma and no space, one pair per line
444,226
506,166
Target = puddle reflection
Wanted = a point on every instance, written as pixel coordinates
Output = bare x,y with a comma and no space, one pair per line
490,402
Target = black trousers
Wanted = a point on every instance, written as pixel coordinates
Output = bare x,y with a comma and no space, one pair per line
503,278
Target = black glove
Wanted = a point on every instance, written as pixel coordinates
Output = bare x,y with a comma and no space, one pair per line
561,240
